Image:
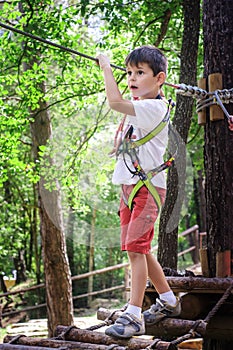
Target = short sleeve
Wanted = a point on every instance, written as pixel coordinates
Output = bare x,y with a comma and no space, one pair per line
148,113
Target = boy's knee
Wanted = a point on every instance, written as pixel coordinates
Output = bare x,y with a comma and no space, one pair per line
134,255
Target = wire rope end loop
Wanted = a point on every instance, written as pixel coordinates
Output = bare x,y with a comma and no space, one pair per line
230,123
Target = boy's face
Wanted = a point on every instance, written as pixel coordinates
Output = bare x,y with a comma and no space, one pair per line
142,82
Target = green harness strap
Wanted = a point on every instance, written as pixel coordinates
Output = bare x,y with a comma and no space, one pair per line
150,188
145,179
150,135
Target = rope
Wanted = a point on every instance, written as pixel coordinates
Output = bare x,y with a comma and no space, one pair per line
214,97
154,344
108,321
187,90
63,335
48,42
64,48
192,332
16,338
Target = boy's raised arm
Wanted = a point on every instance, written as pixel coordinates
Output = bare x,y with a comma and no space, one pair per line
114,96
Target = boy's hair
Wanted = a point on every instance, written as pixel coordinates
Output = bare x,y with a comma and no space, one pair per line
150,55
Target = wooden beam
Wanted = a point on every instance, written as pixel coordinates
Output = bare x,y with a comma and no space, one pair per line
223,264
30,343
203,254
215,83
199,284
220,327
134,343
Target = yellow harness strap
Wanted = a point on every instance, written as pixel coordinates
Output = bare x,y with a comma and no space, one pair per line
129,147
150,188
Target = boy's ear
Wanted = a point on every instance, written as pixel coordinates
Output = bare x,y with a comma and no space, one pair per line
161,76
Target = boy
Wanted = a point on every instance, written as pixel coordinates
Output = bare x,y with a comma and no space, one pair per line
146,69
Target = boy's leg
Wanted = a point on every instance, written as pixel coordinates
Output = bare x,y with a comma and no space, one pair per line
139,275
136,232
156,274
167,305
131,322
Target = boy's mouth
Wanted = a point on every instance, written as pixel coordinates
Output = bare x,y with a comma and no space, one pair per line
133,87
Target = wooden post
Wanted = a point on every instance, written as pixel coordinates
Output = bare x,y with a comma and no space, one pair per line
196,243
202,114
223,264
215,83
203,252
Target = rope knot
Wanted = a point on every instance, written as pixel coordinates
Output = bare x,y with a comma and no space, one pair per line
230,122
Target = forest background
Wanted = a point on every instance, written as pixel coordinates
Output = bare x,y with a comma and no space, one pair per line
73,158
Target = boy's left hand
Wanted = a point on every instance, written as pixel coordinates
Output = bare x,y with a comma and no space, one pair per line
103,61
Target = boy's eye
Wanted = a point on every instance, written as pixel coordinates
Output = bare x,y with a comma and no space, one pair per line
129,72
140,72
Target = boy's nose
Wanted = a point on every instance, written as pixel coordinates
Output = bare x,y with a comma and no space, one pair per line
132,76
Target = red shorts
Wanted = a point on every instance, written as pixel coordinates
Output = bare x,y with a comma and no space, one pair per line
137,226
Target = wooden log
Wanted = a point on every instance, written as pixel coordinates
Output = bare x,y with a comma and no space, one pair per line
220,327
21,347
40,343
195,344
93,337
166,327
199,284
223,263
195,304
215,83
202,114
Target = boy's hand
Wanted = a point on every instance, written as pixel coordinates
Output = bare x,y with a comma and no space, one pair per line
103,61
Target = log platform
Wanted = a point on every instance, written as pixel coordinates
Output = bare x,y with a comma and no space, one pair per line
78,339
199,297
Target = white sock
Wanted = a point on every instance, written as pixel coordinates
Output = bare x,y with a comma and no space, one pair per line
136,310
169,297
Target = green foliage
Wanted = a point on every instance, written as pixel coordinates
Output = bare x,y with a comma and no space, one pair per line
71,89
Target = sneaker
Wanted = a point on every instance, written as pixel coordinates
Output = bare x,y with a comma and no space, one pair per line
126,326
161,310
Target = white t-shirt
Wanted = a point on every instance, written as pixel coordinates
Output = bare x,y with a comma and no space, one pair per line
149,113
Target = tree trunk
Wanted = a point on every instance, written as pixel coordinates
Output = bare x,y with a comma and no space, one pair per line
218,34
91,254
70,240
56,266
218,58
168,230
202,201
20,267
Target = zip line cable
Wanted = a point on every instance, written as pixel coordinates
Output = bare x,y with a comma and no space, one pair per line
183,89
64,48
48,42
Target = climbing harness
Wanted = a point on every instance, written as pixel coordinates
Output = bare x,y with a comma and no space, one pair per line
129,147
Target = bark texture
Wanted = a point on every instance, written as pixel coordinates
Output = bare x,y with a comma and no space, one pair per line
168,230
56,267
218,43
218,58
